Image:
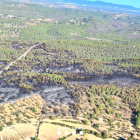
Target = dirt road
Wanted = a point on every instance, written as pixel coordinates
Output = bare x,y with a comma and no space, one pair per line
23,55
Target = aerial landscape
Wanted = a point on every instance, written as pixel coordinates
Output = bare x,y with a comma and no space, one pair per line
69,70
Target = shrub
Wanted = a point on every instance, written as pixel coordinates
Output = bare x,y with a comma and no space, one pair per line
130,138
10,123
85,122
52,117
105,135
34,139
91,132
96,125
1,128
97,134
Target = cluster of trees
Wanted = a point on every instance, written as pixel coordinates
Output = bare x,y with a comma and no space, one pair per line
130,96
131,65
103,90
98,50
8,53
29,81
63,23
97,56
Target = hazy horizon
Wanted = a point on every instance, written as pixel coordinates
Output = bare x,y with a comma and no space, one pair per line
134,3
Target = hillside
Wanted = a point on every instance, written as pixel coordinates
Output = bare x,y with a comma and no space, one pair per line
30,122
98,5
27,22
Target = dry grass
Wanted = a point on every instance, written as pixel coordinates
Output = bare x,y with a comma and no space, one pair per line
9,134
31,24
19,107
26,131
49,131
87,136
71,124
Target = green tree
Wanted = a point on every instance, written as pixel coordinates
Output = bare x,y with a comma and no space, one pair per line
96,125
35,139
130,138
97,134
10,123
85,122
138,121
105,135
52,117
1,128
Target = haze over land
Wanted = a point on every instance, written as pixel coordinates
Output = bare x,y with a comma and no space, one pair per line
98,5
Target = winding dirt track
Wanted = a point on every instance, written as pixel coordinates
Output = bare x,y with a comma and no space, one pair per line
23,55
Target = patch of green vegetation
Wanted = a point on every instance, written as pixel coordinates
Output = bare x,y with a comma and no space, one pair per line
10,123
1,128
8,52
100,51
52,117
21,78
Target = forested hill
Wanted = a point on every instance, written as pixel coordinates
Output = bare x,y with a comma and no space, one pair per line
98,5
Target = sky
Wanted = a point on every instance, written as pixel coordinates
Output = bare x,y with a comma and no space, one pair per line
135,3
